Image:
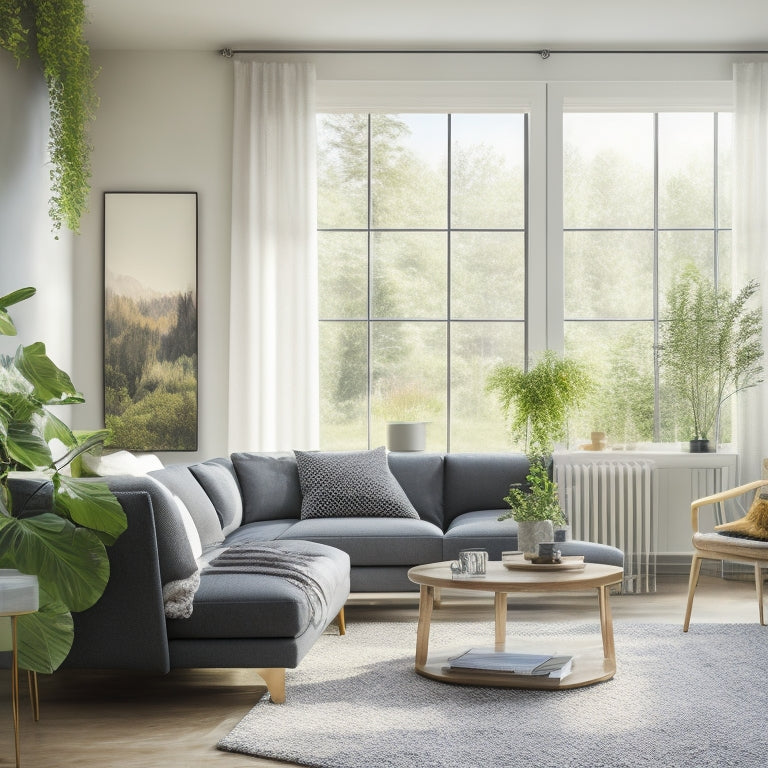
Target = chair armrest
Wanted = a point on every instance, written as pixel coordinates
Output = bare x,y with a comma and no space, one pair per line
717,498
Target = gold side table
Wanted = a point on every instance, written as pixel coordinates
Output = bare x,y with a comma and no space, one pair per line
18,597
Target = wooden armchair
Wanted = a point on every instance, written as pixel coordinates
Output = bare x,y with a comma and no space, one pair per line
715,546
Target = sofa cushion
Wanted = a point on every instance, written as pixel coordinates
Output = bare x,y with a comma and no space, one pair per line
480,480
220,484
179,480
374,540
350,484
257,605
269,484
189,528
482,529
174,552
261,530
421,477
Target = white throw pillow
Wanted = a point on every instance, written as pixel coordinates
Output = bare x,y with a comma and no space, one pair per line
120,463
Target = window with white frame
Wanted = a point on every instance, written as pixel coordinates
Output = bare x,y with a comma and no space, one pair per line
645,194
453,240
421,248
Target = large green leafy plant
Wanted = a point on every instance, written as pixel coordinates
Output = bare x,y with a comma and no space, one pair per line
710,347
64,548
537,402
56,29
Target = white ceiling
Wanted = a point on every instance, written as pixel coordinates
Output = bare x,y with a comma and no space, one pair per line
428,24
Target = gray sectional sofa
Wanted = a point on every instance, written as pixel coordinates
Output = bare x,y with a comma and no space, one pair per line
174,600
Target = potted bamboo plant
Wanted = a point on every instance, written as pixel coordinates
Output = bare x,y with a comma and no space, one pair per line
537,403
709,350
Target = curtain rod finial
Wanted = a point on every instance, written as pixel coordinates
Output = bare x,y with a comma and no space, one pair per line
545,53
226,53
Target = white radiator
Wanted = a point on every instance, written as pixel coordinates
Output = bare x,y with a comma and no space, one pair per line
616,503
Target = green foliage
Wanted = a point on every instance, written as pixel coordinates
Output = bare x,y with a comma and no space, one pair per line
151,372
537,402
161,418
537,499
63,548
14,31
65,58
406,401
710,347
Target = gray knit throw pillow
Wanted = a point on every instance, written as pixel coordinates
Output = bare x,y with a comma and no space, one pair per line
350,484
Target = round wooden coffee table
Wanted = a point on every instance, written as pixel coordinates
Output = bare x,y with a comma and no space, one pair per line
590,664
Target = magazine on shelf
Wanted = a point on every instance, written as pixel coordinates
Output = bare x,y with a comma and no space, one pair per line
526,664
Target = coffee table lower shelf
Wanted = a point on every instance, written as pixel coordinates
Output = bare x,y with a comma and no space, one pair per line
589,667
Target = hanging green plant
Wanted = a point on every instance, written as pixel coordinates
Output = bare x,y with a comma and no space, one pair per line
58,29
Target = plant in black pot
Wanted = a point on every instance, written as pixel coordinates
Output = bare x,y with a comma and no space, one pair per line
709,350
537,403
64,547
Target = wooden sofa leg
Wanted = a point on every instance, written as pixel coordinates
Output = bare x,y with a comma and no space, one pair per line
759,590
274,677
341,622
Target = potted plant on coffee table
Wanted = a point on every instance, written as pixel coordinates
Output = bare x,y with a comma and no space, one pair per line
709,350
537,403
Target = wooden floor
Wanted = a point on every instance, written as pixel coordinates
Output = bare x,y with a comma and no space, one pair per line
105,719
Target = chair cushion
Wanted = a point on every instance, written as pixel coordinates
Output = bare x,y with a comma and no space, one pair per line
754,525
350,484
717,544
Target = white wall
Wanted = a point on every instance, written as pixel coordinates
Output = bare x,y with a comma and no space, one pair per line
164,124
29,252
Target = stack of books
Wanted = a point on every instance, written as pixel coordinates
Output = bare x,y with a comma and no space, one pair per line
525,664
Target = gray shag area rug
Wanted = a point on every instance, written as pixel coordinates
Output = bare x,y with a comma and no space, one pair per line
697,699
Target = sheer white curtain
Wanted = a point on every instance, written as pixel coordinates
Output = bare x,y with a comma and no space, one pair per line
750,241
273,369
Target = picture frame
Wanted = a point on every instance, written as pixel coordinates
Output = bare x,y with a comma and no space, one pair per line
150,320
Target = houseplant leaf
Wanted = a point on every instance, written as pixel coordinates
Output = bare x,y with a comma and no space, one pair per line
26,445
71,563
45,638
52,386
7,328
90,504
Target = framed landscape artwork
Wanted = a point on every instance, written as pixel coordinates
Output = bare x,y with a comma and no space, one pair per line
150,320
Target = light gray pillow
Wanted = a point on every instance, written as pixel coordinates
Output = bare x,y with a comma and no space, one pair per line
219,482
350,484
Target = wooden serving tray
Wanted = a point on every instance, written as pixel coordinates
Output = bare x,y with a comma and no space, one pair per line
519,563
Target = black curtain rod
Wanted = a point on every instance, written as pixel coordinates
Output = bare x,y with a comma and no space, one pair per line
545,53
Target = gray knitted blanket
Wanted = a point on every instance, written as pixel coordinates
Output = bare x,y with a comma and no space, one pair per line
295,566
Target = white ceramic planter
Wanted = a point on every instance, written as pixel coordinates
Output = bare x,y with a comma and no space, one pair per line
406,435
530,533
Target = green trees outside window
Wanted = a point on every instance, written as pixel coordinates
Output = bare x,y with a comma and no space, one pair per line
422,242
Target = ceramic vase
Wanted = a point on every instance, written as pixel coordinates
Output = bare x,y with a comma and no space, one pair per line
406,435
530,533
